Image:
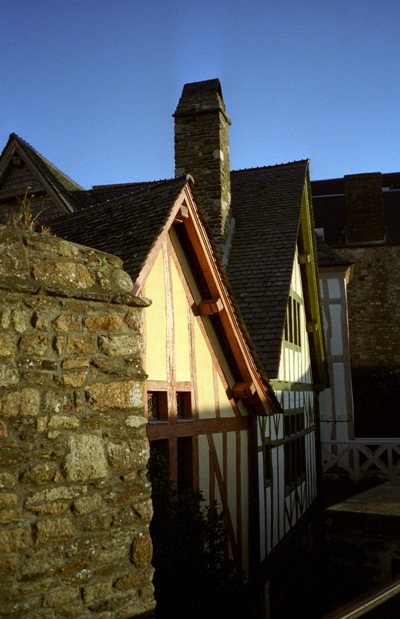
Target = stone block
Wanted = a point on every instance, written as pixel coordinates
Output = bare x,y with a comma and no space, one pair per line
41,321
86,458
56,401
96,591
133,320
8,374
141,550
52,530
110,322
115,395
15,540
66,322
49,509
61,597
121,456
69,275
118,345
25,403
13,260
34,344
10,515
72,344
39,474
75,362
21,320
8,499
8,480
63,422
87,504
73,379
7,345
9,565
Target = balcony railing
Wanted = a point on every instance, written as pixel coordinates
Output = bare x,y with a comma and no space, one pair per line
367,602
361,458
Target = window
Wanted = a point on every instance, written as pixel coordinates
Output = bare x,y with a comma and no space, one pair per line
166,408
295,449
183,405
157,406
292,322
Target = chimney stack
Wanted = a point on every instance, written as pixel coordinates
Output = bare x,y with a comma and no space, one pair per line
202,150
364,208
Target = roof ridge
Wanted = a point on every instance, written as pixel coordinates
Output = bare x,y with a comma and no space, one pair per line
276,165
117,199
109,186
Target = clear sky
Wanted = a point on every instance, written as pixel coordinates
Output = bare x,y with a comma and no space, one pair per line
93,84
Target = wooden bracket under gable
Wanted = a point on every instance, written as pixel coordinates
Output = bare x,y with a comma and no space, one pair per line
210,306
243,390
304,258
182,214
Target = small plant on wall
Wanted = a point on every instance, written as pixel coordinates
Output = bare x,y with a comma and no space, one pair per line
24,218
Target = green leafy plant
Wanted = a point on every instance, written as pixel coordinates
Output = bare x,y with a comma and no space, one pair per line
193,576
102,260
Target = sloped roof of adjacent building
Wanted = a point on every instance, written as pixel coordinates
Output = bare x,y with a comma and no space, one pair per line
127,226
61,187
266,205
327,257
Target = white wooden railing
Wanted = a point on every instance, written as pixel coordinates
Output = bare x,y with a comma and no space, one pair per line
361,458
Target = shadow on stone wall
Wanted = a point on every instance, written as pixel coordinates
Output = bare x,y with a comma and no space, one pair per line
75,503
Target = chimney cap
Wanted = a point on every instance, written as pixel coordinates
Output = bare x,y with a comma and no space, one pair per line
206,86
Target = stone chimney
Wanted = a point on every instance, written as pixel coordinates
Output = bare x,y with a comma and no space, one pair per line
202,150
364,208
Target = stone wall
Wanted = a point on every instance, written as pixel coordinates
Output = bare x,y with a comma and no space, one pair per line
75,503
374,304
374,324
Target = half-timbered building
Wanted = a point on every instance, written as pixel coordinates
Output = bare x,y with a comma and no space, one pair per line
205,384
234,343
262,219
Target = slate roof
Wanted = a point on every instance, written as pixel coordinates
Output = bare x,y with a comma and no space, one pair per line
72,195
128,226
266,205
327,257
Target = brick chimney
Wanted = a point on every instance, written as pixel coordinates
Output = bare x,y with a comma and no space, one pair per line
364,208
202,150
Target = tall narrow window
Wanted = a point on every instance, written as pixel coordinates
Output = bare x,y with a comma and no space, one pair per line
292,322
183,405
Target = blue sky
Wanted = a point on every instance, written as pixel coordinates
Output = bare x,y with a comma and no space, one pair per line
93,84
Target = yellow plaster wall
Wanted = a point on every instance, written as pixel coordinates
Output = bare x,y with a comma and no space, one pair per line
181,326
205,381
155,336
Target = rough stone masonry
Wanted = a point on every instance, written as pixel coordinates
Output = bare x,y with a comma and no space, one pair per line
75,503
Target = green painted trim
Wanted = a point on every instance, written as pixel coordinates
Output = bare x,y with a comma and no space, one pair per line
285,385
